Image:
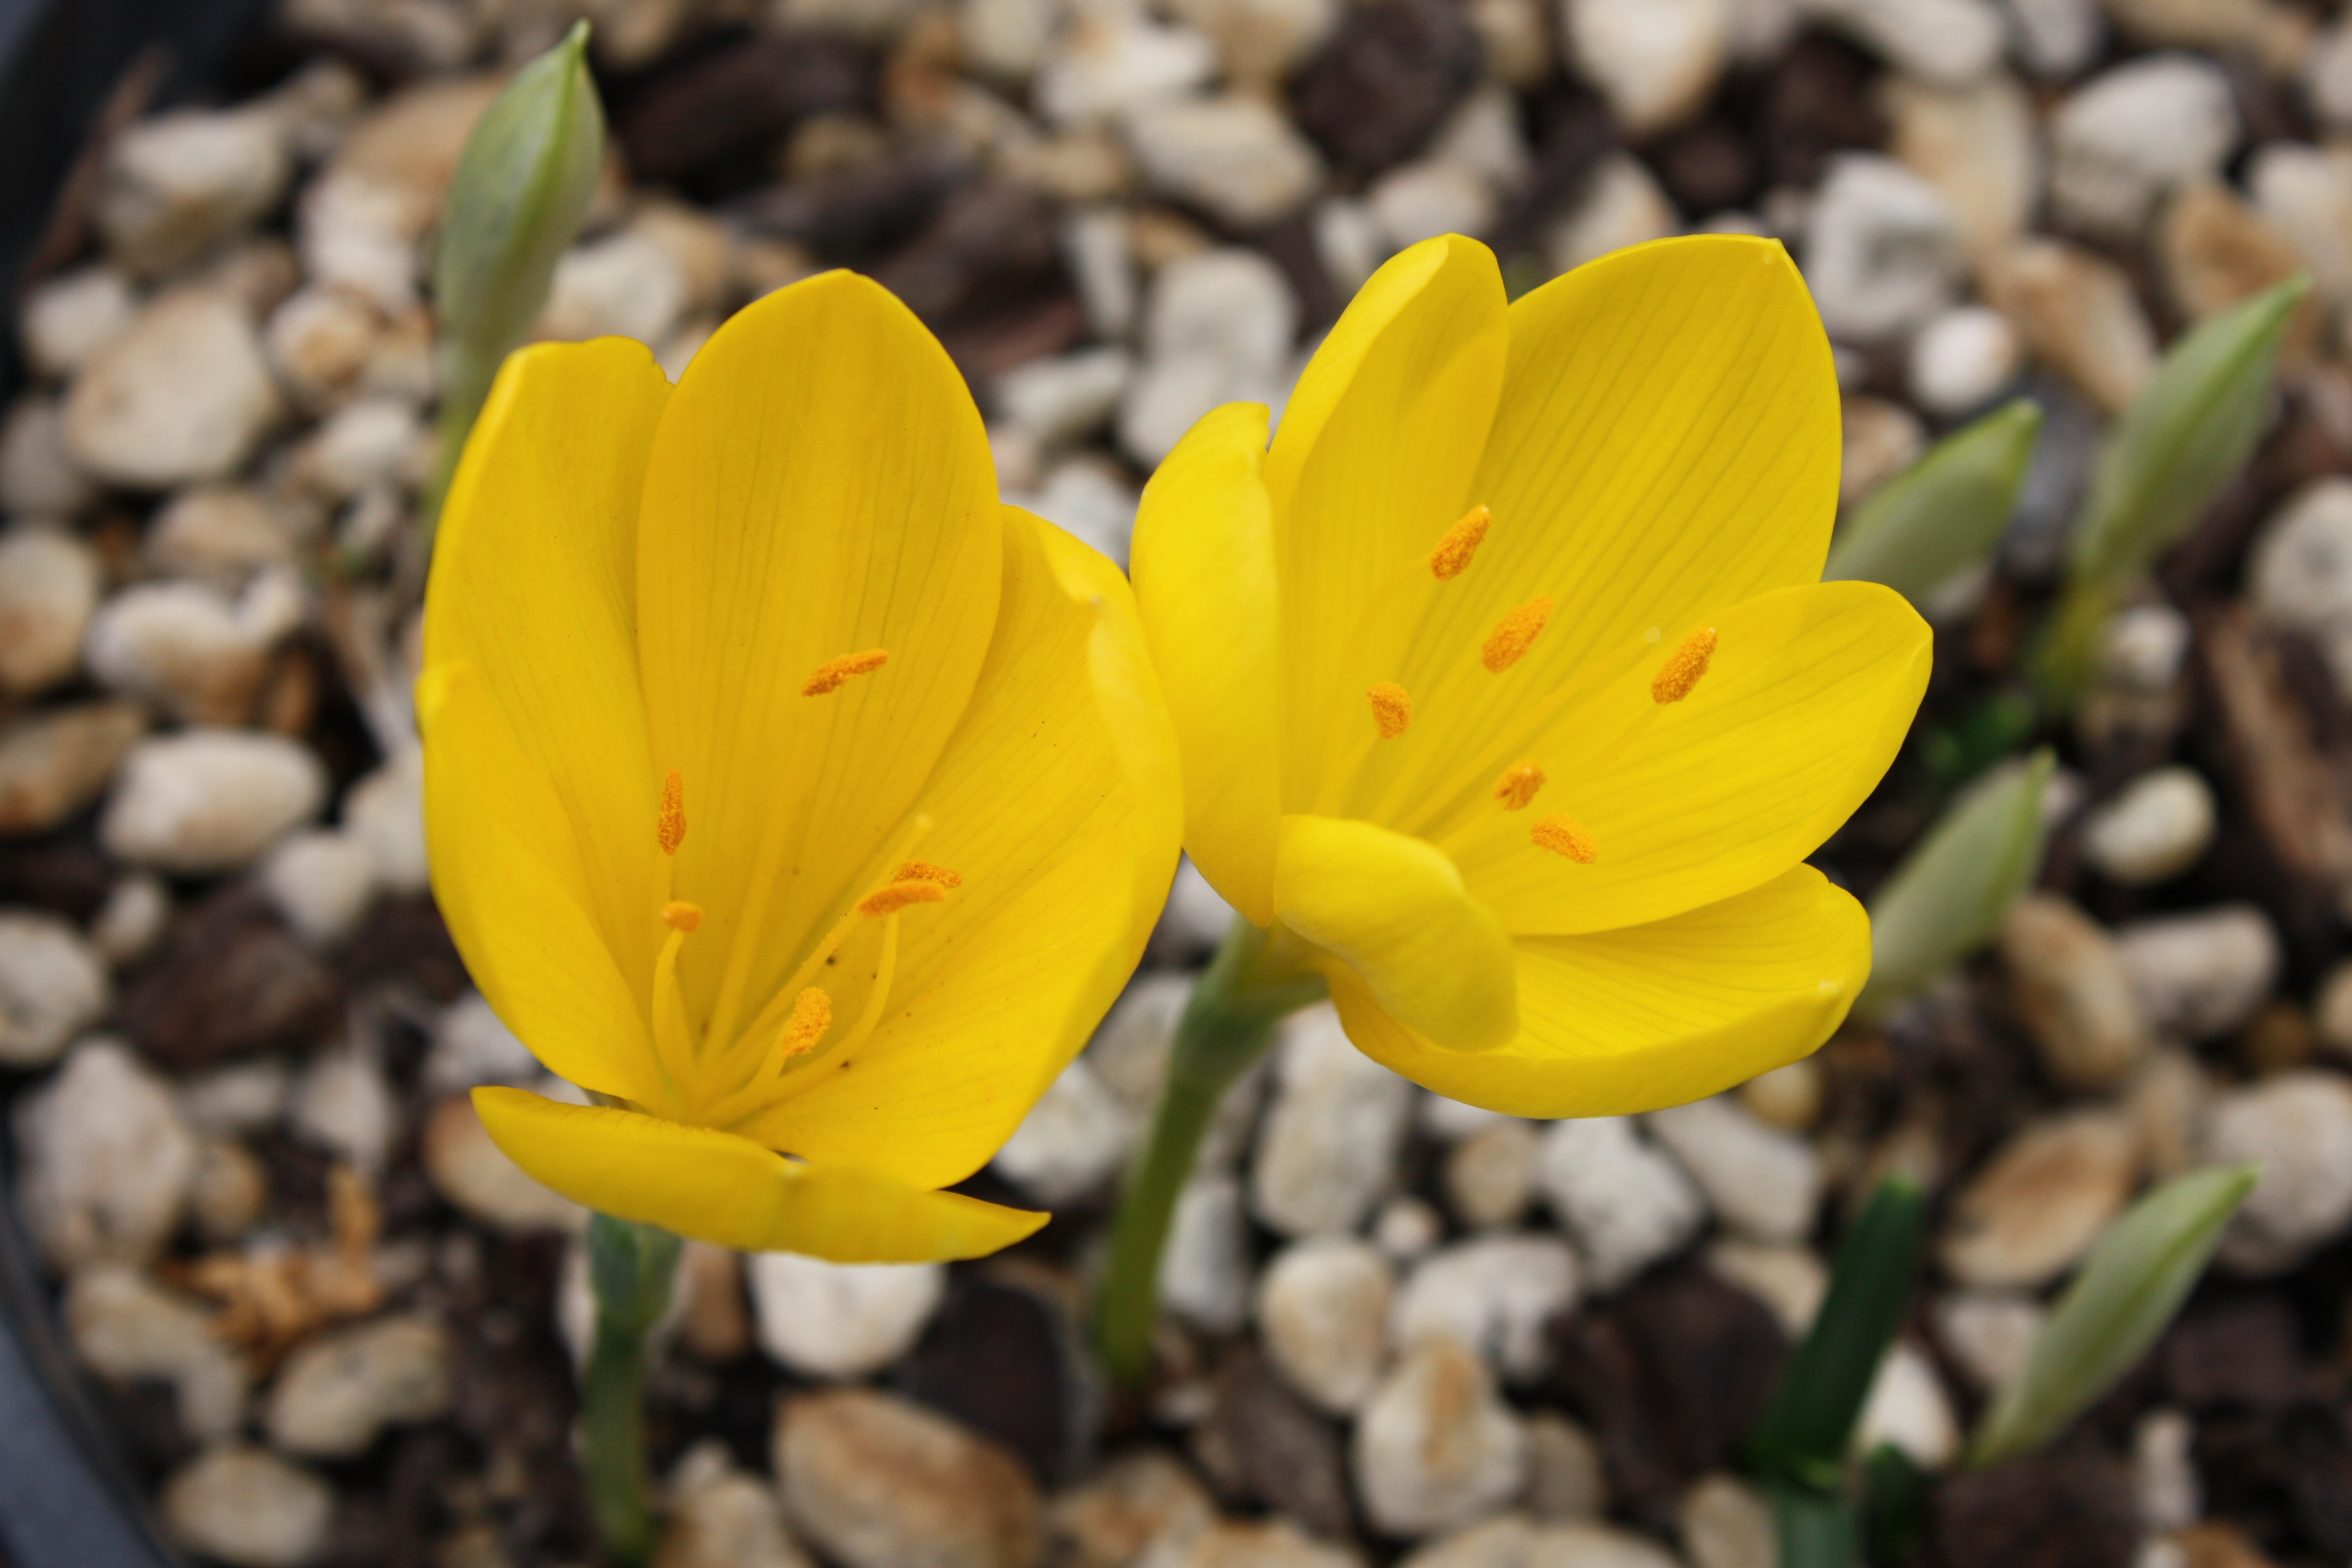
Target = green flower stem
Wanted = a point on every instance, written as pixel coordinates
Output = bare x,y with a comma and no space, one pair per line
631,1267
1255,981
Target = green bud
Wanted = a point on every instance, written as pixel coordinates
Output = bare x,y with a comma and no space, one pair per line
2136,1277
2184,437
1945,512
1953,891
521,188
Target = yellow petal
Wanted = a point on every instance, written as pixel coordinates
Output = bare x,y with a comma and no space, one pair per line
1057,804
727,1191
533,584
1805,704
1666,445
1652,1015
820,487
1372,465
508,868
1204,565
1392,910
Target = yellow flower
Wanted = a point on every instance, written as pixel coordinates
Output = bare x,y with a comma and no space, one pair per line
1505,684
781,786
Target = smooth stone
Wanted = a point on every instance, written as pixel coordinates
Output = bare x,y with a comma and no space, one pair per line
385,810
181,395
1726,1523
1235,156
1655,61
37,477
1621,1199
840,1321
2161,825
876,1481
247,1507
1217,329
1980,144
1489,1177
52,986
69,317
1429,197
369,442
1944,41
173,188
2143,646
1962,360
321,883
1500,1295
182,647
48,587
344,1103
2201,975
1204,1269
1125,1509
1989,1334
1435,1447
1113,60
724,1517
1789,1280
2164,1483
238,1098
1764,1183
1882,249
1907,1406
2217,251
125,1326
1323,1316
1261,41
1326,1150
338,1392
1089,498
2297,1127
2074,992
474,1175
1568,1477
210,800
2041,1200
2307,192
105,1159
1789,1096
221,534
230,1192
1406,1228
2130,136
2077,313
1067,397
1622,204
1249,1543
320,340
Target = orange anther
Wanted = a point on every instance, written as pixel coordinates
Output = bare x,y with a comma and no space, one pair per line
669,823
1392,708
1514,634
679,915
1684,667
812,1017
1519,784
1565,835
897,896
833,672
1452,556
924,871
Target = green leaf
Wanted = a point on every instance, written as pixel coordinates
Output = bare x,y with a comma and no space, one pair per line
2185,436
521,191
2133,1281
1951,894
1806,1433
1894,1504
1945,512
1816,1529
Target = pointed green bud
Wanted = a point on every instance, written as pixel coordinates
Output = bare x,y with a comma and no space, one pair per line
521,191
2137,1275
1946,512
2184,438
1951,893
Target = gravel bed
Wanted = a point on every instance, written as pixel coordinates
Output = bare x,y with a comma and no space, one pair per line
334,1327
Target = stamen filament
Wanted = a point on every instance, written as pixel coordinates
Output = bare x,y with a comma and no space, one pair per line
674,1042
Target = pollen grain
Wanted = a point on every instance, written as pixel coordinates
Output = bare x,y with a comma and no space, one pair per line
669,823
834,673
1684,667
1515,633
1452,556
890,898
1519,784
812,1017
1565,835
1392,708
